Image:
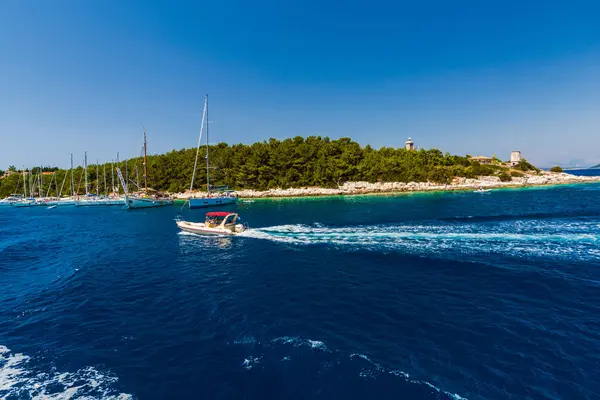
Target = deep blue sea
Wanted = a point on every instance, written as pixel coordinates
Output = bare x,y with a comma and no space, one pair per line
422,296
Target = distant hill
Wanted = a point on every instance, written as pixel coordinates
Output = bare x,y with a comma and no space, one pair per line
595,167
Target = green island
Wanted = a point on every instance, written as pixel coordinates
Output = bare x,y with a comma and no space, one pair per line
291,163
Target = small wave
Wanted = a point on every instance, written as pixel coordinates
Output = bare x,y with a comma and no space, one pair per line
250,362
378,369
297,342
18,378
247,339
363,366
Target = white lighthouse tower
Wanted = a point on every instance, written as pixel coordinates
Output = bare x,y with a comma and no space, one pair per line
410,145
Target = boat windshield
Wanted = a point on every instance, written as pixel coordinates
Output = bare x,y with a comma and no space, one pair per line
230,219
214,221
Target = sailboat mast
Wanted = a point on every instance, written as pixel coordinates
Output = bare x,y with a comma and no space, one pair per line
112,173
199,144
50,184
126,174
24,183
105,191
137,176
207,163
118,190
145,165
87,193
63,183
41,182
97,178
72,177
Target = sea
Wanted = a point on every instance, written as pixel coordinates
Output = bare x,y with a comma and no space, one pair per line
422,296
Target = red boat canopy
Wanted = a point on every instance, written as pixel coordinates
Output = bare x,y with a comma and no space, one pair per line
218,214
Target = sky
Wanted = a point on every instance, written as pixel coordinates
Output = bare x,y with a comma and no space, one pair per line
467,77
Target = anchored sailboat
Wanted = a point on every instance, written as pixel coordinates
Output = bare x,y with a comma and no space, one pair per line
210,200
145,201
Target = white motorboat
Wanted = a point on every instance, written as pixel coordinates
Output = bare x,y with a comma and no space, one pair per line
482,190
219,223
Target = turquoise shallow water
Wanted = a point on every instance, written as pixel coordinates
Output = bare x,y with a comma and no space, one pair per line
425,296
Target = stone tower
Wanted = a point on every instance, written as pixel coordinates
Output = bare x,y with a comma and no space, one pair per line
515,157
410,145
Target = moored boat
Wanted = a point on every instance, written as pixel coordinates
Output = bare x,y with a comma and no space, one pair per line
29,202
91,202
11,200
222,195
142,200
212,200
218,223
146,202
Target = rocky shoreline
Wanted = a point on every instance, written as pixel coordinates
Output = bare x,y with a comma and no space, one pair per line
357,188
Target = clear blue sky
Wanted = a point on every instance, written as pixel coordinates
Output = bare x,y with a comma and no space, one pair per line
477,77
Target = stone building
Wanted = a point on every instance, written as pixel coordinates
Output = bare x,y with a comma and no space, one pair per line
515,157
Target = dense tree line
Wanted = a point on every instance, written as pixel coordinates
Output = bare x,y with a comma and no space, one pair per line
297,162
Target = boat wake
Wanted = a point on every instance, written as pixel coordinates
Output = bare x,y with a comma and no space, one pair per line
545,238
21,380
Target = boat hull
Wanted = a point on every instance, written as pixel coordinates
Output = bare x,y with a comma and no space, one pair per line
24,204
204,202
132,203
101,202
65,203
201,229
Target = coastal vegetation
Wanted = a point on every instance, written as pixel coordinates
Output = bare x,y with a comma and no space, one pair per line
556,169
297,162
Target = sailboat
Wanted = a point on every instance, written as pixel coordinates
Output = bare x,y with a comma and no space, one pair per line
224,197
95,200
15,197
145,201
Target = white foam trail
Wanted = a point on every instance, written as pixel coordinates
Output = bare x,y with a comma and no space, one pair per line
543,239
184,233
18,379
